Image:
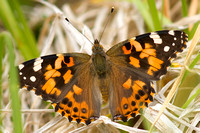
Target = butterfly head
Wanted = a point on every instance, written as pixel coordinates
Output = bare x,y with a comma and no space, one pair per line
97,48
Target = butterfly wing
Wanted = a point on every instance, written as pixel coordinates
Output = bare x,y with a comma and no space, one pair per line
65,80
134,63
130,93
149,54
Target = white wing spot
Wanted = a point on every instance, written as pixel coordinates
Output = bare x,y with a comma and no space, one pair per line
166,48
21,66
37,64
20,73
181,41
24,78
173,44
157,41
37,68
171,32
32,78
156,38
175,38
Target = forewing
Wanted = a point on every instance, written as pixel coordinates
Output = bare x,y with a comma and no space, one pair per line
68,81
149,54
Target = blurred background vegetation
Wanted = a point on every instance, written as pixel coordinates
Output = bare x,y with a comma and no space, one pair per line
27,26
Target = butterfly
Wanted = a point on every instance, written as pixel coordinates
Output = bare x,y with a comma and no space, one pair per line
77,84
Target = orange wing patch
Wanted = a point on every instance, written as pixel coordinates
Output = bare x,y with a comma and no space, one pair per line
73,110
143,55
67,76
55,91
77,90
127,84
151,70
49,85
127,51
84,111
148,46
49,67
135,62
136,44
125,105
52,73
68,61
155,62
134,104
49,74
147,51
58,62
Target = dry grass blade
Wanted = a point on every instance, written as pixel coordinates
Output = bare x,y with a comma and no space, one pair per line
70,29
164,123
178,80
50,37
167,9
28,110
48,126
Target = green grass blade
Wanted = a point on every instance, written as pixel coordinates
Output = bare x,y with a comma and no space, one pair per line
143,8
191,66
1,73
194,62
13,20
191,34
13,83
185,12
154,14
191,98
14,4
184,8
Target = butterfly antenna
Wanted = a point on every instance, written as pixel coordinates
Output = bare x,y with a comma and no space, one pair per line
80,32
107,21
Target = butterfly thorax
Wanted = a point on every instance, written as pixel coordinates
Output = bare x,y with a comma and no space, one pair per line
99,59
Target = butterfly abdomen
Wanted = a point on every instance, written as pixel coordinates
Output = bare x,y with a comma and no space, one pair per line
104,88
